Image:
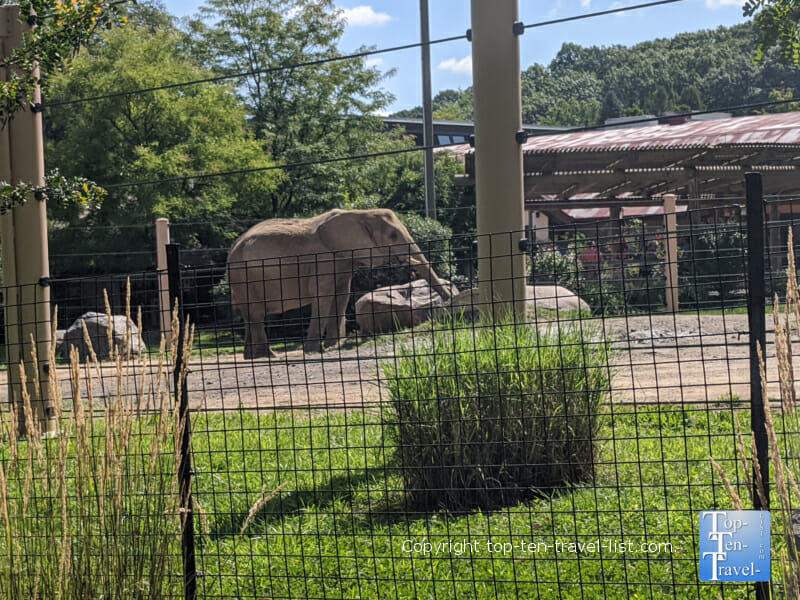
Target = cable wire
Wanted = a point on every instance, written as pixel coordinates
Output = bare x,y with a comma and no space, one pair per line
218,78
321,61
248,171
611,11
340,159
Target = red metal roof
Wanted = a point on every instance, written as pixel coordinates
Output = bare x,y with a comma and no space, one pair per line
760,130
780,129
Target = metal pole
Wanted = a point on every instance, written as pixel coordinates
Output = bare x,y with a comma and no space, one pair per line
185,467
498,154
427,111
165,310
671,247
23,231
756,316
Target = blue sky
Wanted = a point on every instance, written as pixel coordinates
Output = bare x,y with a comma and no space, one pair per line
384,23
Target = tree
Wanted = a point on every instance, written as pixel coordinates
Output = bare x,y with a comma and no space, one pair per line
690,98
778,21
573,113
612,106
302,113
60,29
172,133
662,100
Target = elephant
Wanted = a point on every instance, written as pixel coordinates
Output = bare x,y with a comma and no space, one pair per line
283,264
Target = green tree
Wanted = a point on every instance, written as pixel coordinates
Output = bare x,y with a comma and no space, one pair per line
612,106
779,22
662,100
303,114
62,28
172,133
573,112
691,99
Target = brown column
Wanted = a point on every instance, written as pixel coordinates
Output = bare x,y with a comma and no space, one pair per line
671,247
498,155
23,232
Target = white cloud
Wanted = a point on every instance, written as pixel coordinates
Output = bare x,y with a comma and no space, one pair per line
713,4
376,61
457,66
365,16
586,3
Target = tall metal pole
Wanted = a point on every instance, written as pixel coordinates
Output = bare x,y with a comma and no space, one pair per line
498,154
23,231
756,317
185,472
427,111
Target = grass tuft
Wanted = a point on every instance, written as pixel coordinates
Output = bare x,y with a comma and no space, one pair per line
484,415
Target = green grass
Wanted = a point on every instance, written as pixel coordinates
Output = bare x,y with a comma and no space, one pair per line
337,527
462,403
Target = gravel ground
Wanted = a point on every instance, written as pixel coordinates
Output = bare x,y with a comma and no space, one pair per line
658,359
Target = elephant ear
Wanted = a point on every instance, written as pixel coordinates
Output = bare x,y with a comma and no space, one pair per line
347,231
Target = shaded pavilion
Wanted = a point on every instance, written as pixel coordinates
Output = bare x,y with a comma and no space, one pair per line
703,162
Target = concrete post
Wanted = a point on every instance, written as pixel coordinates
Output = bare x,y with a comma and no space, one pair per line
671,252
498,156
164,308
23,232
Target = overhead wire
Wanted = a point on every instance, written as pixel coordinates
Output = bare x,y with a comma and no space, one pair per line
321,61
366,156
251,72
601,13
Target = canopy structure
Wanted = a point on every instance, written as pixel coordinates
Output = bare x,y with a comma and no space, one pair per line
697,160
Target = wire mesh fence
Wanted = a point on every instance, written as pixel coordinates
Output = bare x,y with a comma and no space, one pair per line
369,420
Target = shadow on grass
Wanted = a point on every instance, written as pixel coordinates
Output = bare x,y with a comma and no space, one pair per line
367,506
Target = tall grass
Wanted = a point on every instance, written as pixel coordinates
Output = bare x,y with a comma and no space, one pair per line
483,415
95,512
784,444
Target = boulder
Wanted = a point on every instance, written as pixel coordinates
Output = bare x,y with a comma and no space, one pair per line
97,324
553,298
396,307
60,339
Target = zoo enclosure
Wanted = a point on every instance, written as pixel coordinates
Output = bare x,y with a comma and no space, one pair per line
311,430
317,428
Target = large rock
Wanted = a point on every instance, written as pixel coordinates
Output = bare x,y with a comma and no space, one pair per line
553,298
97,325
396,307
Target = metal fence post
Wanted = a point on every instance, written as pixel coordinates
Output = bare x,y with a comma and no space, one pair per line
182,399
756,316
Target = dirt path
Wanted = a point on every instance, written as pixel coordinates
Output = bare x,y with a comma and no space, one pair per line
666,359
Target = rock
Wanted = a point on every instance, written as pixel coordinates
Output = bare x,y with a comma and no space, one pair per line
97,325
60,339
553,298
396,307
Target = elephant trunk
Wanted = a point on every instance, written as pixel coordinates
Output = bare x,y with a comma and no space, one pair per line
423,270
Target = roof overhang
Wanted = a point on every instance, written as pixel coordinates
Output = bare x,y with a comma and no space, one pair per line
697,160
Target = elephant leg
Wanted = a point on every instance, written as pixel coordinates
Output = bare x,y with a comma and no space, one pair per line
255,336
335,324
314,334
